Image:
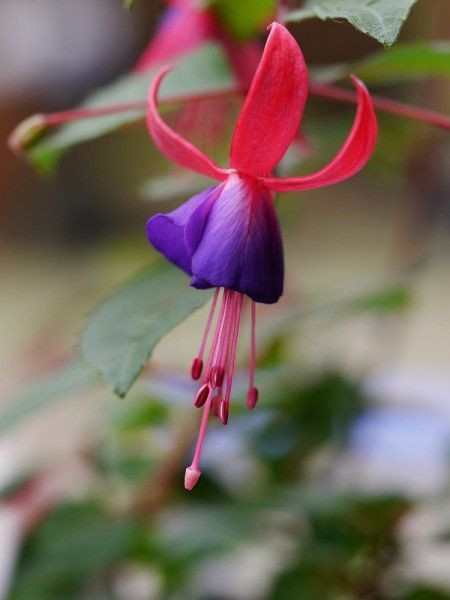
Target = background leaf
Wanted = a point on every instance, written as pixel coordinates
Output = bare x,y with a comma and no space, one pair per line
40,394
56,565
381,19
406,61
246,19
122,332
403,62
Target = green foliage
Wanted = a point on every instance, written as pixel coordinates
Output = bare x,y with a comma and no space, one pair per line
351,541
405,61
121,334
245,20
306,416
381,19
76,542
141,413
39,395
388,301
199,72
402,62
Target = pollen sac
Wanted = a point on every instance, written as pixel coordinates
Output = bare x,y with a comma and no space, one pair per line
215,407
196,368
252,397
202,396
223,412
217,376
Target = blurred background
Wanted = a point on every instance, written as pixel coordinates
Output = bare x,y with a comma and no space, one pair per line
337,486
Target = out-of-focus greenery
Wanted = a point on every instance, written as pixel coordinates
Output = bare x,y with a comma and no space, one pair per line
337,544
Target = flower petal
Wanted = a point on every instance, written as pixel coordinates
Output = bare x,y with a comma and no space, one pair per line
240,247
273,108
351,158
173,145
166,232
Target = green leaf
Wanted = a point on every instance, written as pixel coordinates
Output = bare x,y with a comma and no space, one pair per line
141,414
129,4
394,300
75,543
246,19
122,332
39,395
381,19
203,71
405,61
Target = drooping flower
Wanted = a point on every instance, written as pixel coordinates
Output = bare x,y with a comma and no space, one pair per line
228,237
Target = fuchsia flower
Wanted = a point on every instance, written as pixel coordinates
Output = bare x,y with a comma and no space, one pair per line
228,237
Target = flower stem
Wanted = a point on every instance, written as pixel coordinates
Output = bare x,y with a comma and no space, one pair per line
394,107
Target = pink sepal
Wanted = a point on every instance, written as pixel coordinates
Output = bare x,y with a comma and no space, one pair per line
182,29
173,145
351,158
273,109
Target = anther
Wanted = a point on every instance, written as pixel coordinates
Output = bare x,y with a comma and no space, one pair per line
215,407
223,412
202,395
217,376
196,368
252,397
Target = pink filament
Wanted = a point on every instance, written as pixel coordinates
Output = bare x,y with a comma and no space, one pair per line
217,333
236,320
253,345
208,324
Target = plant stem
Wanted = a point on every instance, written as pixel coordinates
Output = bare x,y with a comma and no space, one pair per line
384,104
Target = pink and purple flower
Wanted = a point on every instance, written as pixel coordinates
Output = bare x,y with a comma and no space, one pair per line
228,237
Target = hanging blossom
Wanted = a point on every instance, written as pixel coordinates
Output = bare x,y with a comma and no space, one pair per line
228,237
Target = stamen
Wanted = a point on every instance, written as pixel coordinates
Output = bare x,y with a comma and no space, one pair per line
196,368
223,412
217,401
217,376
197,363
252,395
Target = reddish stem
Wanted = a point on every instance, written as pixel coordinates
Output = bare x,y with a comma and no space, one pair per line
394,107
33,127
65,116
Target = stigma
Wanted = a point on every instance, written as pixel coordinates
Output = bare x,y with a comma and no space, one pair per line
215,370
